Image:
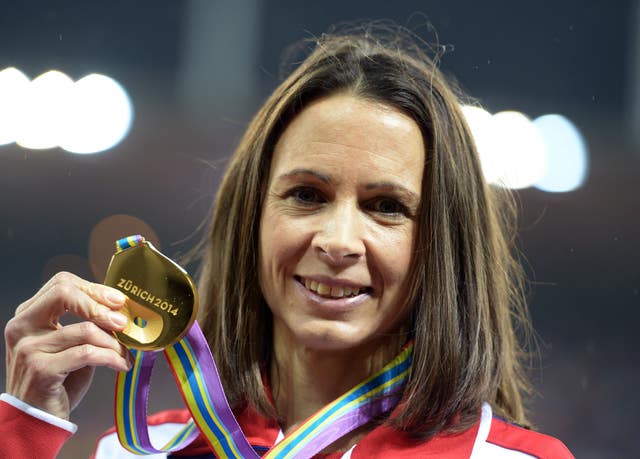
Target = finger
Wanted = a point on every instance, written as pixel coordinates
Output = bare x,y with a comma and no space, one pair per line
61,277
84,355
67,337
75,335
27,303
100,293
65,297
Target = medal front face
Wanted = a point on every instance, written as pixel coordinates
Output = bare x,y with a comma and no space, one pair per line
161,298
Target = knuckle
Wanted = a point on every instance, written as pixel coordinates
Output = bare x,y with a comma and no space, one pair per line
85,351
39,367
62,277
24,351
24,305
96,312
93,288
88,330
61,291
12,333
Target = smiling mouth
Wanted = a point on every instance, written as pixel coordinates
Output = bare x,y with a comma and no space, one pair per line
327,291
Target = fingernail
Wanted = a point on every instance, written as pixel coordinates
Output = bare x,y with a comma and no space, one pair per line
118,319
115,296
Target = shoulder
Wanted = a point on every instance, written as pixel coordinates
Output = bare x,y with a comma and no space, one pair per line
498,439
162,427
490,438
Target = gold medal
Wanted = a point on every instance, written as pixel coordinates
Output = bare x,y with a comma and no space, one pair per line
162,300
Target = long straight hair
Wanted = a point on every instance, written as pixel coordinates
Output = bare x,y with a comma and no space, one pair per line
465,286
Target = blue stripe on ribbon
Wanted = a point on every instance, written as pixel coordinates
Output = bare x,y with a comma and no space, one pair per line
131,431
180,438
197,395
123,243
377,381
125,415
129,241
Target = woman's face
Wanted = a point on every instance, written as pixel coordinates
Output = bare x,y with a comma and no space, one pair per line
338,223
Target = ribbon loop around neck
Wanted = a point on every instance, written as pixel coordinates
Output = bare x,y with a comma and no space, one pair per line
197,378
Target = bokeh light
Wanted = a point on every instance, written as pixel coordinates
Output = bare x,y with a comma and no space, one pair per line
515,152
566,154
484,134
520,148
107,232
44,114
99,115
89,116
13,88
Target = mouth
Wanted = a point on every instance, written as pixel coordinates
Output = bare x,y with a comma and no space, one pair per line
331,291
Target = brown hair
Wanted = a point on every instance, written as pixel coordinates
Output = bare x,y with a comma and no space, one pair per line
466,286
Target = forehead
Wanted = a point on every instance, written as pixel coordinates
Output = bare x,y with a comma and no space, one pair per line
374,141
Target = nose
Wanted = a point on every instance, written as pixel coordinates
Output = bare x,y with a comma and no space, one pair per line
339,240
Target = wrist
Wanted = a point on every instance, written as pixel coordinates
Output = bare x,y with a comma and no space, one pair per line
38,413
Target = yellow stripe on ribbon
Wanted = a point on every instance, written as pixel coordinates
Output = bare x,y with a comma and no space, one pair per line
196,408
342,405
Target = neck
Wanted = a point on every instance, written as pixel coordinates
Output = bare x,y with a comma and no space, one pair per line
304,380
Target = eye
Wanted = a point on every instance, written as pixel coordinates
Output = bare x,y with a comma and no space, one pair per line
306,195
389,207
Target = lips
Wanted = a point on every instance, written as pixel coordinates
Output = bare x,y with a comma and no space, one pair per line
332,290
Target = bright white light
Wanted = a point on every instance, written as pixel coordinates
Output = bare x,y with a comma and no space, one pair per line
13,86
549,153
100,115
566,154
520,150
485,136
88,116
44,114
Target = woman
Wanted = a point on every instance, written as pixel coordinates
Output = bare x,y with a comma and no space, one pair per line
353,218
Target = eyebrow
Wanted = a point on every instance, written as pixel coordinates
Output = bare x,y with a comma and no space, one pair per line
389,186
300,171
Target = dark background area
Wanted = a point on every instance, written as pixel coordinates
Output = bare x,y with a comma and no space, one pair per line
197,70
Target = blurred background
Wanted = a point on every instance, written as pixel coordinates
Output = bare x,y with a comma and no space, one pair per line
132,132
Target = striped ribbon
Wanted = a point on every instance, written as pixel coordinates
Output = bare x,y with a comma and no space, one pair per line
197,378
372,397
194,370
129,241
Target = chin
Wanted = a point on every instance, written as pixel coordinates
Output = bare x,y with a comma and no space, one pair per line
330,337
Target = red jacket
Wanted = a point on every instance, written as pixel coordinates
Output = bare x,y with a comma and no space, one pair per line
27,432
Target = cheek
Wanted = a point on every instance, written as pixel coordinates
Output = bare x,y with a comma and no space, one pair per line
395,253
281,244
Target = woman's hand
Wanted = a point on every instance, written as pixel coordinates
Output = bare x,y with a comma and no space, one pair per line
50,366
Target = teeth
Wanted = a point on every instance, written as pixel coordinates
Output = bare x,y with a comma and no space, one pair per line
323,289
326,290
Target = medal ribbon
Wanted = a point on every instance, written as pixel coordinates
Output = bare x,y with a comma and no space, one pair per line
197,378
